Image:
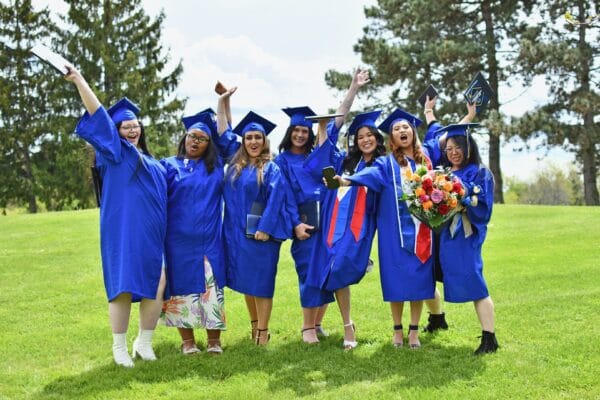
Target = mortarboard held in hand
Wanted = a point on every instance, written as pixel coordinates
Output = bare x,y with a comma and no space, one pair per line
430,91
479,92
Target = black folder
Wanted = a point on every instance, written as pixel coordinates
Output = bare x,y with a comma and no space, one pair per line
310,213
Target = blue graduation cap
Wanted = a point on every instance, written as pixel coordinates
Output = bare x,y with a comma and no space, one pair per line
457,129
478,92
254,122
123,110
363,119
399,115
204,120
298,116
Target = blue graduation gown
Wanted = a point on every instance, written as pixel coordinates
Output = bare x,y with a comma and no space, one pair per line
194,220
460,256
251,265
302,188
403,276
133,210
195,205
341,254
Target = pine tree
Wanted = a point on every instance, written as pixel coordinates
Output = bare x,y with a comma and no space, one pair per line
410,44
564,50
117,48
24,101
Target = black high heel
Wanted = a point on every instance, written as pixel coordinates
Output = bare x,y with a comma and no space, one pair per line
259,336
418,343
401,343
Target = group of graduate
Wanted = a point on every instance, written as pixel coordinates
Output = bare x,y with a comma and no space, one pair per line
174,232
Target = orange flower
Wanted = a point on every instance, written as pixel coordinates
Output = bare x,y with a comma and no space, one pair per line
453,202
419,192
171,306
428,205
448,186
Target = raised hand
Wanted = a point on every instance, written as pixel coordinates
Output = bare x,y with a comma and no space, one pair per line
360,78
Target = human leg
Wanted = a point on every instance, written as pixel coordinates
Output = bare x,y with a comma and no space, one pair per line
485,313
343,299
149,312
118,311
264,306
397,308
416,307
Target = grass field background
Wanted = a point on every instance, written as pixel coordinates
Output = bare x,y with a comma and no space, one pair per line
542,265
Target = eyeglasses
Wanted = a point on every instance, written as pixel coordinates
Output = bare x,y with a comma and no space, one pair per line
197,139
131,127
451,149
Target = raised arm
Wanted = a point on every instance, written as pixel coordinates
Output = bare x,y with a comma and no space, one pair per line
223,110
89,99
360,79
428,110
471,113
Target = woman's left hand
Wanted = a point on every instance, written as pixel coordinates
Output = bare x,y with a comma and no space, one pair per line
261,236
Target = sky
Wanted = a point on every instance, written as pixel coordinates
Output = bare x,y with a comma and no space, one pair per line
277,53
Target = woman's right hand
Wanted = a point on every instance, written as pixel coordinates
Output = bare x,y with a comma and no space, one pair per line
73,75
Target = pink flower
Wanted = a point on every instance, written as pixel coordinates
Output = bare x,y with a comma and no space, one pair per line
437,196
423,198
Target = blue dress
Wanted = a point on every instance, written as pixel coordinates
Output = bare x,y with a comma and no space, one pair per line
404,277
194,221
133,210
251,265
341,254
460,255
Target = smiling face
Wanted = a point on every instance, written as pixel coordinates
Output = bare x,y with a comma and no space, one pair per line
454,153
366,141
196,143
299,137
403,136
254,142
131,130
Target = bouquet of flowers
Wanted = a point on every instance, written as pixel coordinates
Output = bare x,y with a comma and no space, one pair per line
433,196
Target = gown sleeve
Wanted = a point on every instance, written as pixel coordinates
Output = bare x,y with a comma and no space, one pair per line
431,143
227,144
373,177
100,131
275,219
290,200
478,179
325,155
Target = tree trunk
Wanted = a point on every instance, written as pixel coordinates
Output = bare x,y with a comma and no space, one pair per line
28,175
586,145
494,149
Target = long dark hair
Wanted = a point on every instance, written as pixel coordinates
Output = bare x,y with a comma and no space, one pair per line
470,151
286,142
417,148
209,157
354,156
142,140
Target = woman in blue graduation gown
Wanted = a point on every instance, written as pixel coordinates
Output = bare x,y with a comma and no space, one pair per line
462,240
303,199
341,255
431,146
194,247
254,185
405,261
133,212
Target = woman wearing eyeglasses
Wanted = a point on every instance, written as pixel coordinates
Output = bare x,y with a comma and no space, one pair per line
133,217
194,246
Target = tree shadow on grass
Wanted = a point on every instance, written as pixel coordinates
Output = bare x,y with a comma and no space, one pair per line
305,370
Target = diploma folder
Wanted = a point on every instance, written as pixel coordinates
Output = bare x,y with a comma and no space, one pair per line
309,213
253,219
430,91
479,92
51,58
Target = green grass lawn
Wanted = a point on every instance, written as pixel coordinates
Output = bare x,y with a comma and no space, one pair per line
541,265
